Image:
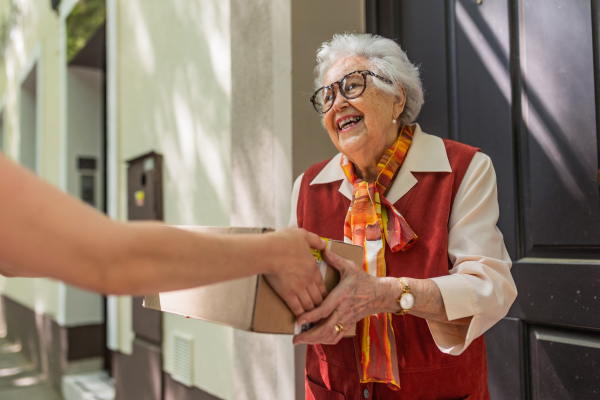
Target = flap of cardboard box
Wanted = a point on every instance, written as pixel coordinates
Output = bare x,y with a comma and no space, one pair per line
229,303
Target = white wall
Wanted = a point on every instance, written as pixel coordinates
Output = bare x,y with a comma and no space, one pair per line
209,85
38,294
213,353
315,21
212,93
261,169
174,97
33,42
2,136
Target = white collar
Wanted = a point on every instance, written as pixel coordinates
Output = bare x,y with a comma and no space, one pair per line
427,153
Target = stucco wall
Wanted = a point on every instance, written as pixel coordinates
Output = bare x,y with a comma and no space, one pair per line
174,97
212,94
209,85
313,23
33,42
261,170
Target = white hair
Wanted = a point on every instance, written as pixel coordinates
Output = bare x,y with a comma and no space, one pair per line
385,57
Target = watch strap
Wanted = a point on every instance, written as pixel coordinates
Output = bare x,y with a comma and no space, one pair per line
405,290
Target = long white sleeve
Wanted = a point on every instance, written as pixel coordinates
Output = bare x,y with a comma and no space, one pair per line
480,283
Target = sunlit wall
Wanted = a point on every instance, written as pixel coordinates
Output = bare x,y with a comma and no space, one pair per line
30,41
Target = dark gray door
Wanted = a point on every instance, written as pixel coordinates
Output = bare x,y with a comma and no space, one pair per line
520,80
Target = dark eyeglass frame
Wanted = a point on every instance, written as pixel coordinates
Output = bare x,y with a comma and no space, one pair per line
364,74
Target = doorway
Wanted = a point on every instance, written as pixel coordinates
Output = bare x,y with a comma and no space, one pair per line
86,143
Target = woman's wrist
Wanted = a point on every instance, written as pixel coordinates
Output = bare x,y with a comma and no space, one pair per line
428,299
390,290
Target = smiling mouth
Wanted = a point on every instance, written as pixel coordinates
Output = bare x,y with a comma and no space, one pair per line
349,123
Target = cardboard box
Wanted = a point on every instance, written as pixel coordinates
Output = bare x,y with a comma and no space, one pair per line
249,303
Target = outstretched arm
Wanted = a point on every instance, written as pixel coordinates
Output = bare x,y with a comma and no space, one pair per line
47,233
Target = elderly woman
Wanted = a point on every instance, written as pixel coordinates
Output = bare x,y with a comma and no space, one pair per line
435,273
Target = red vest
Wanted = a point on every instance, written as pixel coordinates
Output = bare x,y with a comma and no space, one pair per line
425,372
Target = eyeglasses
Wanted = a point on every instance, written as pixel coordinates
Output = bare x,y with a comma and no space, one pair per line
351,86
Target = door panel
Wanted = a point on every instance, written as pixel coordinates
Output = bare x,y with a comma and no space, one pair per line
564,364
484,100
520,79
423,36
560,293
467,93
504,347
559,128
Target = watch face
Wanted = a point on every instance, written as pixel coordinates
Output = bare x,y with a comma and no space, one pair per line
407,301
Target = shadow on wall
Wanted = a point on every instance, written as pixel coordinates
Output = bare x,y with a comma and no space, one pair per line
177,90
260,161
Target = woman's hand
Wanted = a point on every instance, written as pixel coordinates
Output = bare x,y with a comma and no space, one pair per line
356,296
359,294
296,276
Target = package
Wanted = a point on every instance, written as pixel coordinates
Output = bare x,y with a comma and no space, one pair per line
249,303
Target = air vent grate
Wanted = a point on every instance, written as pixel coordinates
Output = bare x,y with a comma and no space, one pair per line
182,359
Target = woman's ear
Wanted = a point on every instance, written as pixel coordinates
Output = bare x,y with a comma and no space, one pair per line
400,100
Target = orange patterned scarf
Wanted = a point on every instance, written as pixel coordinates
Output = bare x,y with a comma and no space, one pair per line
370,225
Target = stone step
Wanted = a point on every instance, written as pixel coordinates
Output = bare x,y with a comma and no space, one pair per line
91,386
19,378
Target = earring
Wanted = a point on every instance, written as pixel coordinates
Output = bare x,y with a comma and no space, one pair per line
394,121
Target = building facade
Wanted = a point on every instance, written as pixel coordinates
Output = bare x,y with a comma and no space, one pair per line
220,89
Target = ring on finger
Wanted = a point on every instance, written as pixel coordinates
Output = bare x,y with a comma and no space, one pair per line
339,327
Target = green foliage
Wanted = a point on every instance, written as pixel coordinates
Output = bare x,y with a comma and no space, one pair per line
85,19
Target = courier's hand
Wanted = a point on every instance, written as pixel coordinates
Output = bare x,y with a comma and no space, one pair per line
357,295
296,276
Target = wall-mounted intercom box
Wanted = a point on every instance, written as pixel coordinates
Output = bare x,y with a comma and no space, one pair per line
145,202
145,187
87,168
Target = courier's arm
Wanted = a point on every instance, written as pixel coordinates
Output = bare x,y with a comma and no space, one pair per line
46,233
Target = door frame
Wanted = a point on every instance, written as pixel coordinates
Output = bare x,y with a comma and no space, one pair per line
34,61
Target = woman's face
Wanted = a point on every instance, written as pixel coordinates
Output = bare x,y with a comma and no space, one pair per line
364,141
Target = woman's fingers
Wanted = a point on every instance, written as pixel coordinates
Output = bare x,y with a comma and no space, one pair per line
323,311
329,334
315,294
339,263
325,332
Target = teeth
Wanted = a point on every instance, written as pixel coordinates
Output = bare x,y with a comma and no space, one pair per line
348,121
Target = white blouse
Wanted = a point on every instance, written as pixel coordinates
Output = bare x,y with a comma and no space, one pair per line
480,283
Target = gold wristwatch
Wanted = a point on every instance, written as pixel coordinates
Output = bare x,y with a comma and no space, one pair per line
406,300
